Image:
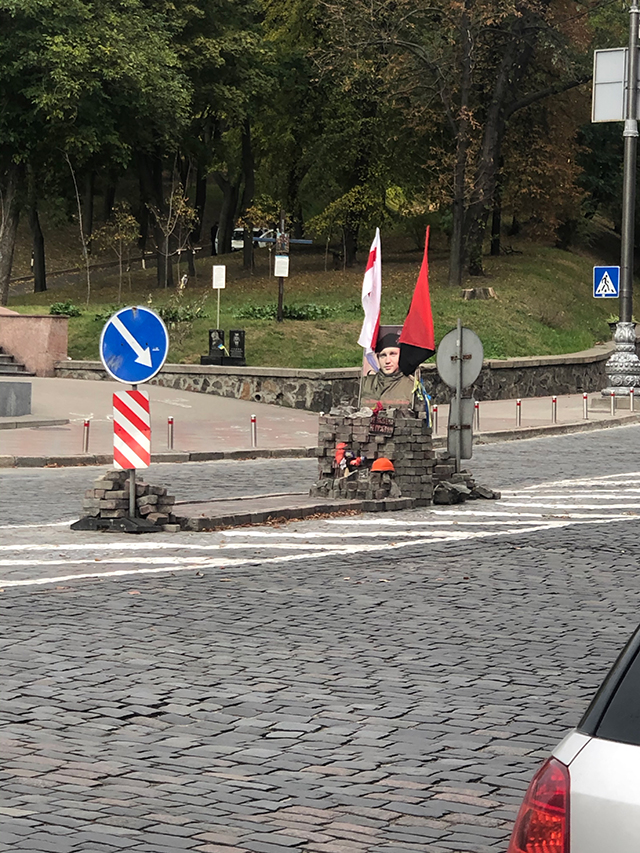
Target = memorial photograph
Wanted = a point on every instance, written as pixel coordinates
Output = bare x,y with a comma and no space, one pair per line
382,381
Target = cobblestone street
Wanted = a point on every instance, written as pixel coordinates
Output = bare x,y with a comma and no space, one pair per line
372,684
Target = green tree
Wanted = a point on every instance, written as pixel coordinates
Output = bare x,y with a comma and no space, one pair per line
81,79
119,235
484,61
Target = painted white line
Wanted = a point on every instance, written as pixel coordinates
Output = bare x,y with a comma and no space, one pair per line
111,546
604,494
31,526
609,479
236,563
463,513
316,534
558,506
220,562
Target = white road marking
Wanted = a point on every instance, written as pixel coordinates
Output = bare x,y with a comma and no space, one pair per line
31,526
557,505
514,515
235,563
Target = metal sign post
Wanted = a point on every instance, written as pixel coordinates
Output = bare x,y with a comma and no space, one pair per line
615,98
133,347
459,362
219,280
282,241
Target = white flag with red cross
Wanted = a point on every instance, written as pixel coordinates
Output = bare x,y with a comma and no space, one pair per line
131,430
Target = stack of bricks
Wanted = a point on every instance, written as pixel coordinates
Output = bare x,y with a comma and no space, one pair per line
409,448
109,498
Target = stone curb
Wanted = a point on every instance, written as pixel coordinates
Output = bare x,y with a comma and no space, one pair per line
439,442
87,459
8,423
286,513
552,429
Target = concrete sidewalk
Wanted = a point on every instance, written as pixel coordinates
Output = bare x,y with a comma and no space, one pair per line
209,427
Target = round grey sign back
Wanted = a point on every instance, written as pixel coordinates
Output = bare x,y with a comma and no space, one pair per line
447,357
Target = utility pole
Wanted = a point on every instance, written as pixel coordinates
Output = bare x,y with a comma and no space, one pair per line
623,368
629,180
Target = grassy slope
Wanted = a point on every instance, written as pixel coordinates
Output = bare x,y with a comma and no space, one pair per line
544,305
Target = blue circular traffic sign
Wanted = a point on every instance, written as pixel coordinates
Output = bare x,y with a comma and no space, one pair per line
134,345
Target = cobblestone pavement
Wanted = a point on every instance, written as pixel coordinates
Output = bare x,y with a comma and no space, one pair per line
348,685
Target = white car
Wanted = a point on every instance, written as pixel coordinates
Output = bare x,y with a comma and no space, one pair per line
237,240
586,797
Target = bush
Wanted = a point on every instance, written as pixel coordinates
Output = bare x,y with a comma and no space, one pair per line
105,315
68,308
310,311
176,312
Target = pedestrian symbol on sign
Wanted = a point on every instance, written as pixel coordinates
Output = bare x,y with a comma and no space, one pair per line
606,286
606,282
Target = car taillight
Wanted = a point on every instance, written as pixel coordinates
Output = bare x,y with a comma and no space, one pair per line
542,825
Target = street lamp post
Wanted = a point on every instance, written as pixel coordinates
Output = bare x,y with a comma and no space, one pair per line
623,368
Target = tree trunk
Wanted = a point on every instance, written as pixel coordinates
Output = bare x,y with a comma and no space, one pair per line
39,265
293,203
109,196
248,173
200,203
515,61
496,215
9,217
87,206
350,231
150,174
230,192
462,129
248,247
496,224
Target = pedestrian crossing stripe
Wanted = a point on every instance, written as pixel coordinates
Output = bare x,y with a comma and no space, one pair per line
606,281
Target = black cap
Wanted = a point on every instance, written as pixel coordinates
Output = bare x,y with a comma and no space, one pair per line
391,339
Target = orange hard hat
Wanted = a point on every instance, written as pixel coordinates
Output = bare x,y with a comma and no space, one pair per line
382,464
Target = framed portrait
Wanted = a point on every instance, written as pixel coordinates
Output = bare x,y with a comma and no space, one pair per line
381,377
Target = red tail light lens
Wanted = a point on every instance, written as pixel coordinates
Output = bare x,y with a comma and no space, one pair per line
542,825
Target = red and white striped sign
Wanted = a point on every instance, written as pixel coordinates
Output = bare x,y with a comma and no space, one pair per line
131,430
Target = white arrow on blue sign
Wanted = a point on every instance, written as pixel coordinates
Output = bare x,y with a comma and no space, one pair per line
606,282
134,345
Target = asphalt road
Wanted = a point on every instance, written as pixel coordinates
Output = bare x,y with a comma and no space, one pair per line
338,685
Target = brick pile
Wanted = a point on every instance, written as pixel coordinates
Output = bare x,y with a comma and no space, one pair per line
409,448
109,498
451,487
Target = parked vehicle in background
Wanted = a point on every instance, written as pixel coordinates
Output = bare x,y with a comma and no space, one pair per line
271,234
586,797
237,240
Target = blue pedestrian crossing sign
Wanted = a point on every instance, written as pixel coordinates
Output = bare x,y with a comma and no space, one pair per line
134,345
606,282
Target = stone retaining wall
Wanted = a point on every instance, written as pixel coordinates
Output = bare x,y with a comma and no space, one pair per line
322,390
38,341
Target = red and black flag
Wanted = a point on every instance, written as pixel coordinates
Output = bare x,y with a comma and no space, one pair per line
417,342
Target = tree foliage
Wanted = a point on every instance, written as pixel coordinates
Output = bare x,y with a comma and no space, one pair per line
346,115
